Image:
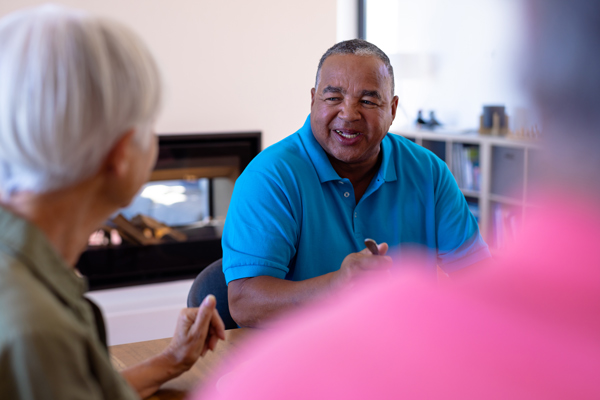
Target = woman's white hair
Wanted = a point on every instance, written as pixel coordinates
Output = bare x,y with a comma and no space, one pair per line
71,85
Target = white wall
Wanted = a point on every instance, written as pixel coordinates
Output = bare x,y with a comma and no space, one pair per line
453,57
228,65
347,20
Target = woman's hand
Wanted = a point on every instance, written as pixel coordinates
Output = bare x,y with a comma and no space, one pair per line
197,331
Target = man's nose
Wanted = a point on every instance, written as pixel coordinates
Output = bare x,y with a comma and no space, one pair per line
349,111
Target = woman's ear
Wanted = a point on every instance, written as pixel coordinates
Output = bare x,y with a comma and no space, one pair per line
117,162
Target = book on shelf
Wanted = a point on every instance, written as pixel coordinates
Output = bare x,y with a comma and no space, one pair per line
506,224
474,208
465,166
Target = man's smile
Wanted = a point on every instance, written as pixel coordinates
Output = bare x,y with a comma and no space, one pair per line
348,134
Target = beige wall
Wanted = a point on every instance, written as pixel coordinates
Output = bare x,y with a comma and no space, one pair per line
228,64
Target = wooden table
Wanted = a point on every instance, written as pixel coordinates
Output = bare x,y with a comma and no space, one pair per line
125,355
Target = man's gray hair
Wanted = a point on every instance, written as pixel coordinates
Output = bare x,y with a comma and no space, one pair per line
70,86
357,47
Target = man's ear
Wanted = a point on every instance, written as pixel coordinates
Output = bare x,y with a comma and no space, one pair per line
394,107
312,97
116,162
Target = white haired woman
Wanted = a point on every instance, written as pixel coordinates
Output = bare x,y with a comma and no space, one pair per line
78,97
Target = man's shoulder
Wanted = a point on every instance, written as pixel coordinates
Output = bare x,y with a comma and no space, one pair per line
289,145
285,156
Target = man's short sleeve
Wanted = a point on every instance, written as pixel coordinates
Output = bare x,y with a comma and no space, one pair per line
459,243
261,229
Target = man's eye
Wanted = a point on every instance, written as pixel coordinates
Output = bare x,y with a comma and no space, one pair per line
369,103
332,99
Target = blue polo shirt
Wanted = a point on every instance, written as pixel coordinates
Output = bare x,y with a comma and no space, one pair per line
292,217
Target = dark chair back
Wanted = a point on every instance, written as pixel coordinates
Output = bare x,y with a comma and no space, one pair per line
211,280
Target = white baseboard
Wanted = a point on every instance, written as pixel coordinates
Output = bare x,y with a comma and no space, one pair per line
138,313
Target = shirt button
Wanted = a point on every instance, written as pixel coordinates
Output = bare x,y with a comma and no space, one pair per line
341,182
347,194
355,215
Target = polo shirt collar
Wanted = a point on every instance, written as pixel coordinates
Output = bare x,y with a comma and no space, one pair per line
318,156
26,243
387,171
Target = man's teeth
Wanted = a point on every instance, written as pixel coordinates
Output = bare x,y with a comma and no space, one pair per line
347,135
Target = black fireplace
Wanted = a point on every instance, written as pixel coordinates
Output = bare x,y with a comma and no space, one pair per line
188,195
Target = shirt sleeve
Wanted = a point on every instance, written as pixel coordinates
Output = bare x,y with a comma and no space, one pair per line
261,230
459,242
51,365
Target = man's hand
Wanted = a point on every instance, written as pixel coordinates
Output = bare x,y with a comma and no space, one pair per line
362,263
254,301
197,331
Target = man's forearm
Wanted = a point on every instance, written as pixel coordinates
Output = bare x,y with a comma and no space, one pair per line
252,301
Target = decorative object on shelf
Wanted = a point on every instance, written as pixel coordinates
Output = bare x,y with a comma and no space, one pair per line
532,133
420,121
493,121
431,124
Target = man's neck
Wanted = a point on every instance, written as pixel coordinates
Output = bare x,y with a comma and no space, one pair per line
360,175
67,217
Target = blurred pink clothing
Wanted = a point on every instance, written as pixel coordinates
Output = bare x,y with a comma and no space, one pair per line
526,328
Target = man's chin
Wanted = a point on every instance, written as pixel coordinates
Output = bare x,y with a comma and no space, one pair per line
345,158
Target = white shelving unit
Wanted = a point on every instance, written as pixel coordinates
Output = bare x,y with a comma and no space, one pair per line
504,169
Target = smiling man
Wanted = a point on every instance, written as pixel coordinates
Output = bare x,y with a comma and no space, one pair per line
302,209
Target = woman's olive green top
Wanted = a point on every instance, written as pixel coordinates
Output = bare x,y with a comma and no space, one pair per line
49,344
